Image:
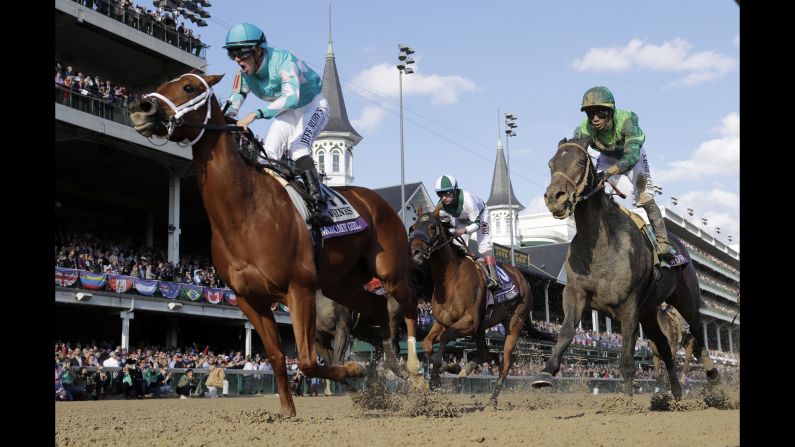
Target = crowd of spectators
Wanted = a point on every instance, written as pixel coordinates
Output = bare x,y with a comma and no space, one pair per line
704,254
159,24
716,305
73,85
707,278
90,253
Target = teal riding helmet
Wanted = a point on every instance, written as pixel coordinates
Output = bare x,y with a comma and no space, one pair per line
245,35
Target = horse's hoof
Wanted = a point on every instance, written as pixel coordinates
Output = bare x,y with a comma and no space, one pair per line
713,376
418,383
542,380
355,369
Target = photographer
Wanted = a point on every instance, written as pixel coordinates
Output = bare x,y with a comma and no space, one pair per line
162,383
101,382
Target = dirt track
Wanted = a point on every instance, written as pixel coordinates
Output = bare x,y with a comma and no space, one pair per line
531,418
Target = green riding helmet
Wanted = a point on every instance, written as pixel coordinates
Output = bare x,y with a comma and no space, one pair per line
598,97
245,35
446,183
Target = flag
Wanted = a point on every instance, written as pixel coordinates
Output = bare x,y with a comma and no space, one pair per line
65,277
213,295
230,297
169,290
146,287
191,292
274,306
93,281
119,283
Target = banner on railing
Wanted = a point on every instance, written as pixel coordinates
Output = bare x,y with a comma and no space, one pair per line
169,290
213,295
93,281
190,292
230,297
65,277
119,283
146,287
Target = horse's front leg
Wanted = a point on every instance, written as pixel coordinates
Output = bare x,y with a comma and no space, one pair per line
301,301
261,317
427,344
573,305
655,334
461,328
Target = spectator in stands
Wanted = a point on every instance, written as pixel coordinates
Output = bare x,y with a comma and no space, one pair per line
187,384
101,382
162,382
215,380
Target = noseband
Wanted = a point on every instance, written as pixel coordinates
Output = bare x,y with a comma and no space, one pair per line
585,181
196,103
434,244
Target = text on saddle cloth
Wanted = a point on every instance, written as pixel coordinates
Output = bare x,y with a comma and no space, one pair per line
346,219
648,231
506,291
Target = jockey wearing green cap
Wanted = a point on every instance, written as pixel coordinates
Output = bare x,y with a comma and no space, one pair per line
295,102
459,206
616,135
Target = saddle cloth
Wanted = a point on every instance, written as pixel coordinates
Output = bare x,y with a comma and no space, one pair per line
648,231
507,290
346,219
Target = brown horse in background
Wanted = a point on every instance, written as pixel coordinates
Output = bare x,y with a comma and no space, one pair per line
459,300
610,267
673,326
260,244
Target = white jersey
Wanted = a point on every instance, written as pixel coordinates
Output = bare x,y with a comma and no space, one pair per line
471,211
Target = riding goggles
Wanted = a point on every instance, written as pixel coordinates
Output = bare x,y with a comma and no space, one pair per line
444,193
240,52
601,113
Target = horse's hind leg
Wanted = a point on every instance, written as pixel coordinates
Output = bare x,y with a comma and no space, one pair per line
655,334
264,323
302,313
687,300
396,279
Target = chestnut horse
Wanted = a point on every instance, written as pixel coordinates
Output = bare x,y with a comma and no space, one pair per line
459,300
260,244
610,267
673,326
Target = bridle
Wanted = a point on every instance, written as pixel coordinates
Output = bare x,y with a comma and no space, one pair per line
580,194
432,244
175,120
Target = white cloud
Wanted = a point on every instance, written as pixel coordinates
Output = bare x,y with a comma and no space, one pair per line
672,56
717,157
736,40
381,81
370,118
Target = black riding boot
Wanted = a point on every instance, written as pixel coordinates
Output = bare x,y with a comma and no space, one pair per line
491,266
319,215
656,221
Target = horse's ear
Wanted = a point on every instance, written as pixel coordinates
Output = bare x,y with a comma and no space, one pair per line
586,141
562,141
213,79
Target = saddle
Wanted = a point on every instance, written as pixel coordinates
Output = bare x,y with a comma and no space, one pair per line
648,232
346,219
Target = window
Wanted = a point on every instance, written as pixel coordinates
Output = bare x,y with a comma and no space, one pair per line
321,160
335,160
348,163
496,225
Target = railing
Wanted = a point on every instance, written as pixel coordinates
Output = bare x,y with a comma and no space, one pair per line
252,383
93,105
148,25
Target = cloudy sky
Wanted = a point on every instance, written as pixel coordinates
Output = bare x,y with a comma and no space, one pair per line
674,63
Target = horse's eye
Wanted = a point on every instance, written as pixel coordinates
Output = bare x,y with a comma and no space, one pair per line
581,162
188,88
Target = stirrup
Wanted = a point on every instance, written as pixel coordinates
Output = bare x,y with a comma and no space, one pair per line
493,285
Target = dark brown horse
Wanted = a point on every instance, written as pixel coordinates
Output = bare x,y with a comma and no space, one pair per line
610,269
260,244
459,299
336,323
673,326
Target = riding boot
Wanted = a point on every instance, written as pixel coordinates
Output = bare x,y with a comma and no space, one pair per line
657,223
319,214
491,265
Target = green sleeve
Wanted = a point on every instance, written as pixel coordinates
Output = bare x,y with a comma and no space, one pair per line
633,140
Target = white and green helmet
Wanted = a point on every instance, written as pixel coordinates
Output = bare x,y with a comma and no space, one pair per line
446,183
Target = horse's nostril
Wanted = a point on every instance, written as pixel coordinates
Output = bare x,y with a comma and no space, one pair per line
560,196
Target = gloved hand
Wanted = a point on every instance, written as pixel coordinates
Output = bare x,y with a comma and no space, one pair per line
601,177
444,216
460,231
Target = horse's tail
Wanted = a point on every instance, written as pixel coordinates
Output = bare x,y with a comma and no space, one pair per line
535,334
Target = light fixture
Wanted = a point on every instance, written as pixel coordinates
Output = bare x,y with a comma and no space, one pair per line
83,296
175,306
